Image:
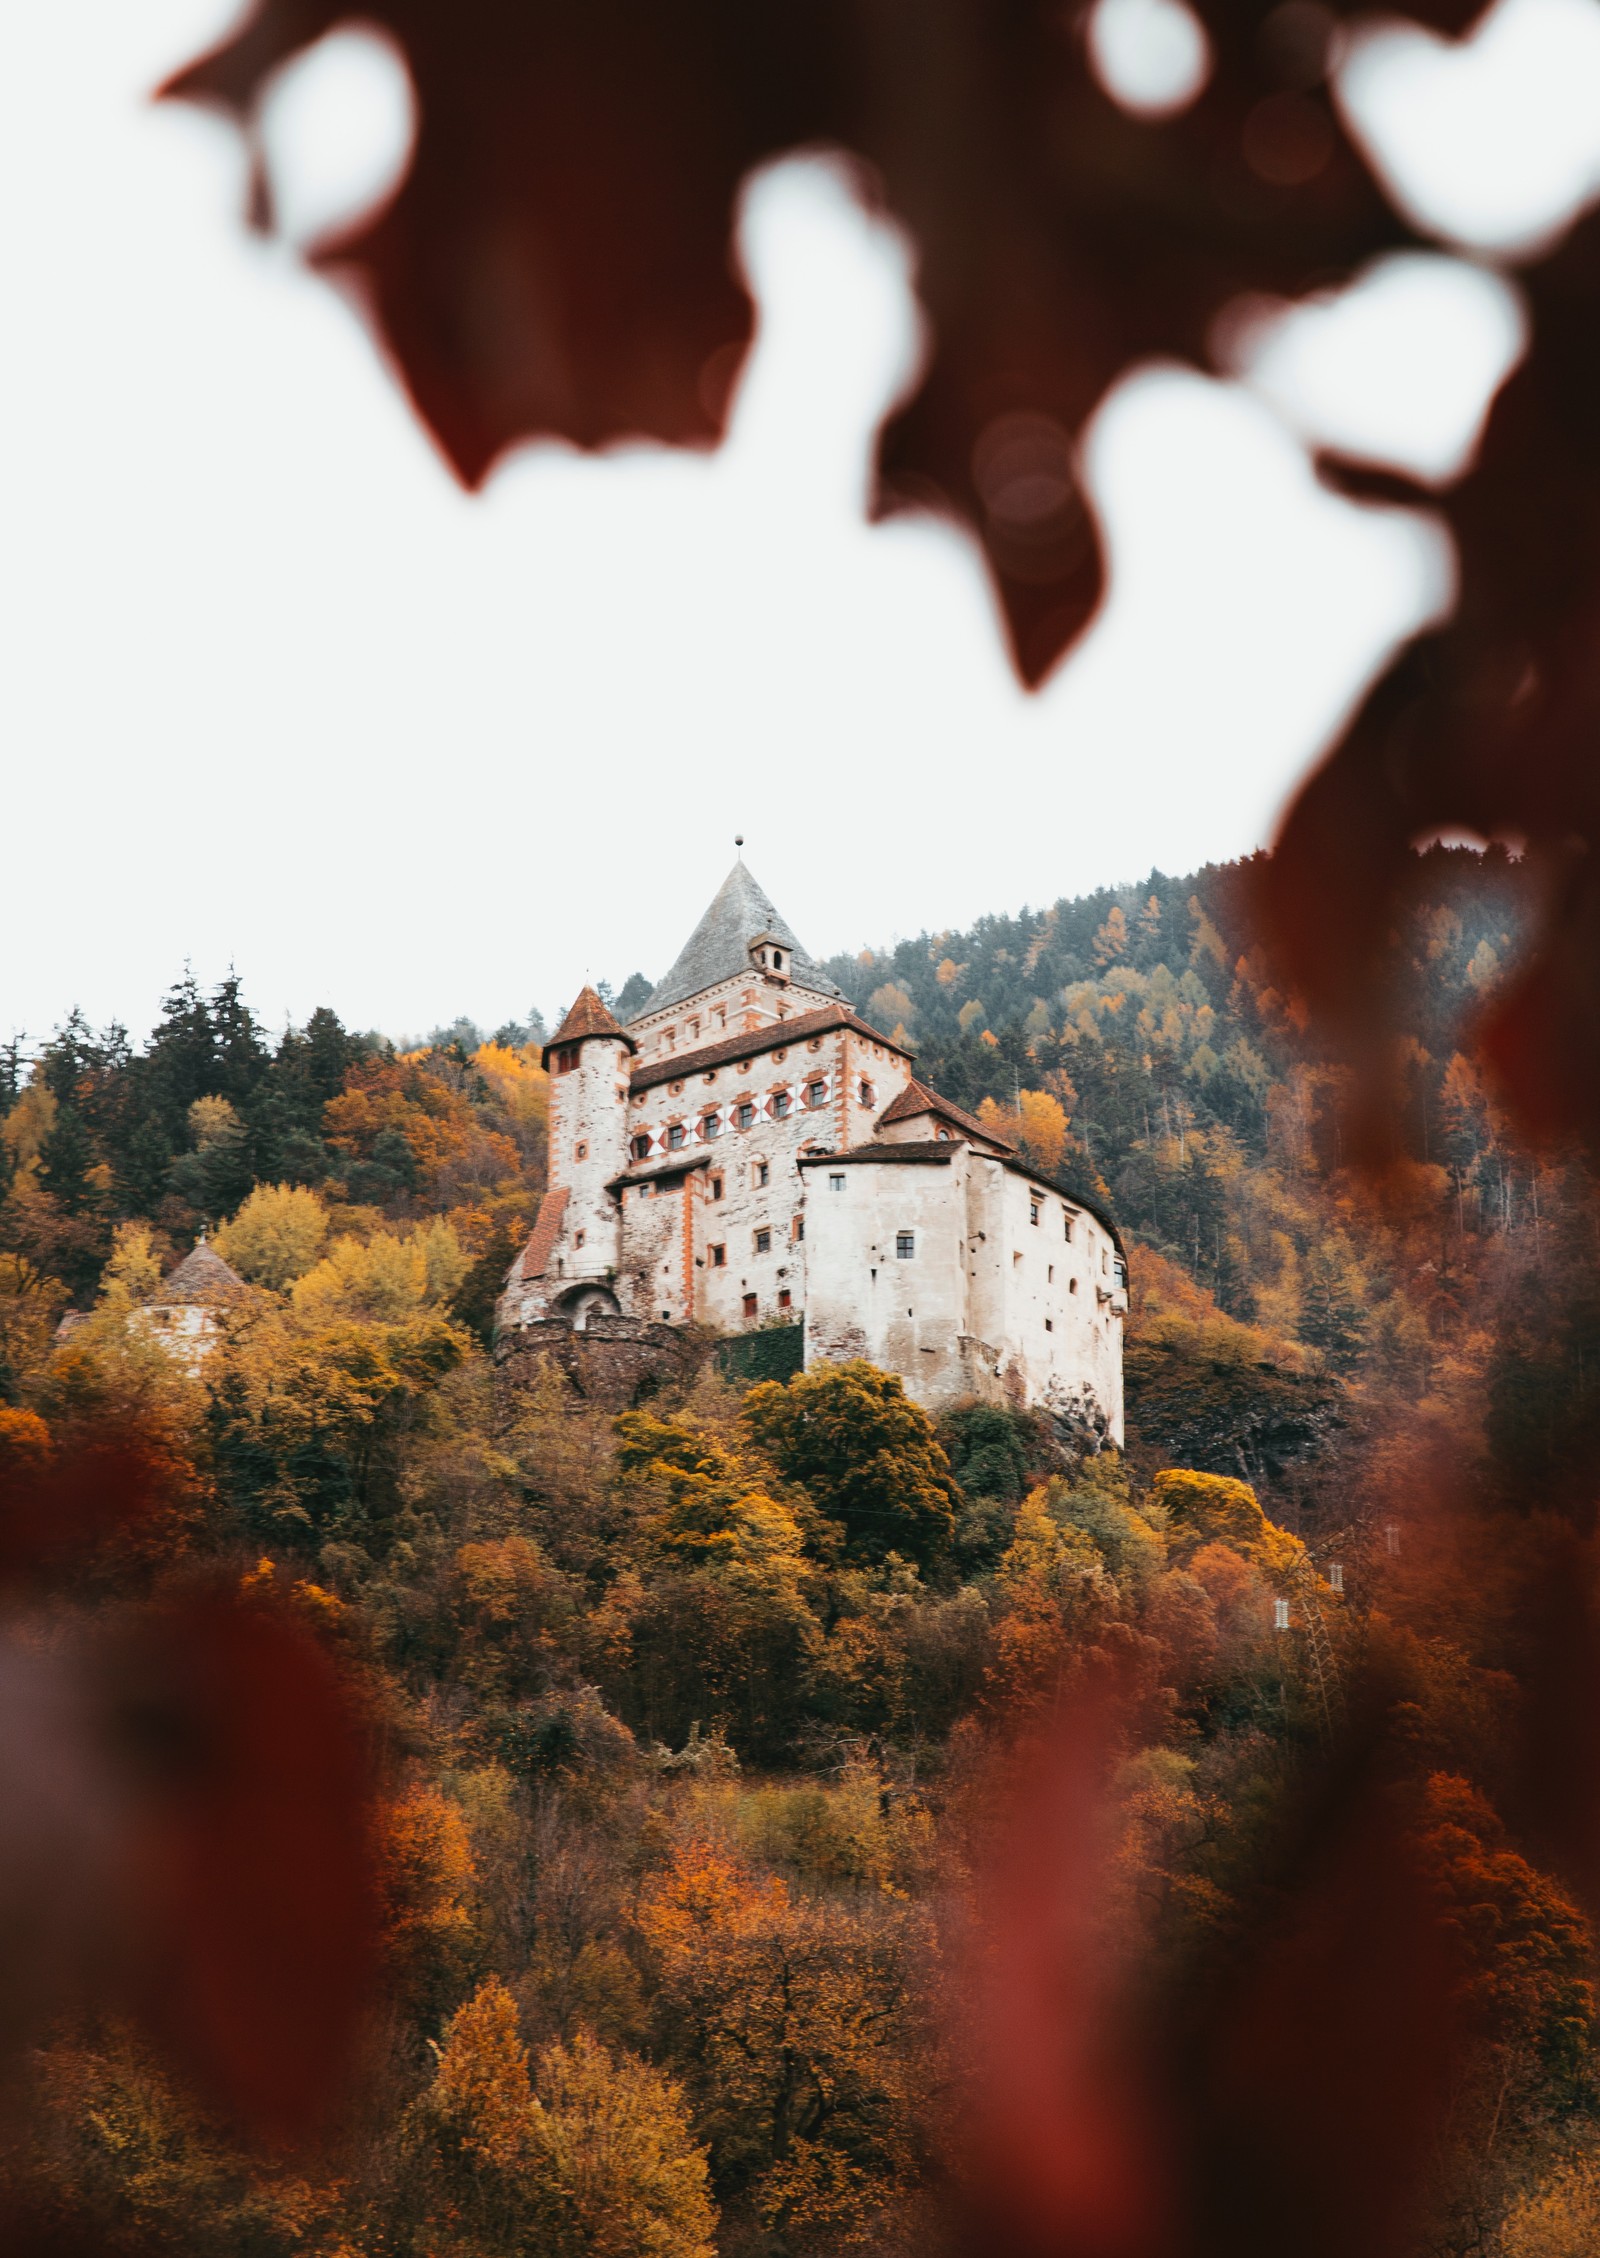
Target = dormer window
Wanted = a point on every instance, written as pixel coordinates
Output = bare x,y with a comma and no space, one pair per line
777,960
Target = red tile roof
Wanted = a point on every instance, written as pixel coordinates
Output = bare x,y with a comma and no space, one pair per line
755,1041
588,1016
536,1254
917,1099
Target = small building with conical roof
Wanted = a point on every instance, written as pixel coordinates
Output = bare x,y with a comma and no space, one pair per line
188,1311
747,1151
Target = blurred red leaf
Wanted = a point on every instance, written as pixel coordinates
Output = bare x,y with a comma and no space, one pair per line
253,1909
558,261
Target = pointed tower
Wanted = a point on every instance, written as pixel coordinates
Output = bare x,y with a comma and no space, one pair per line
739,969
578,1234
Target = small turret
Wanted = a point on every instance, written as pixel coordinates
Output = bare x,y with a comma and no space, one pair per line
588,1060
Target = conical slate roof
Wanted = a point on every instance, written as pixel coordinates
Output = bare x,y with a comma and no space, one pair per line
203,1279
719,946
587,1016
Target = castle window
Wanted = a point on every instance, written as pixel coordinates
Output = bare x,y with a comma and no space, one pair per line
1072,1285
763,1172
763,1242
743,1115
716,1187
797,1229
1068,1221
577,1238
836,1181
750,1306
580,1152
905,1246
645,1191
719,1256
780,1056
566,1058
869,1096
815,1043
1049,1324
667,1038
1033,1209
674,1087
943,1136
1120,1273
777,960
780,1104
710,1126
641,1148
785,1298
675,1137
692,1030
816,1094
1050,1274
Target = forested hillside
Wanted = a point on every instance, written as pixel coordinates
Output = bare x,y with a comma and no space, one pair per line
692,1712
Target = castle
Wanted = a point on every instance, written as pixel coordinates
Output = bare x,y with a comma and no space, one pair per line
748,1151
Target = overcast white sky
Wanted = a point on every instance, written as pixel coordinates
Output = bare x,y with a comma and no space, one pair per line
275,693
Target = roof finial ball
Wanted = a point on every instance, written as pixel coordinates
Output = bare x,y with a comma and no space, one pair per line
738,840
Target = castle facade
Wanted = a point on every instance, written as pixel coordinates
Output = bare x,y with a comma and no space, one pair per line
747,1150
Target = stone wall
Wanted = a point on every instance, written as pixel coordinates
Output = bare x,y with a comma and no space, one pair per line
613,1361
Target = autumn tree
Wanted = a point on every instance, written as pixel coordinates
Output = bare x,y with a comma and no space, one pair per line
276,1236
596,2161
794,2023
868,1456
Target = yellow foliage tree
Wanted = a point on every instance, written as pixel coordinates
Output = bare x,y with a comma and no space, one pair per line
597,2163
276,1236
1214,1509
1559,2218
383,1280
134,1272
1043,1129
